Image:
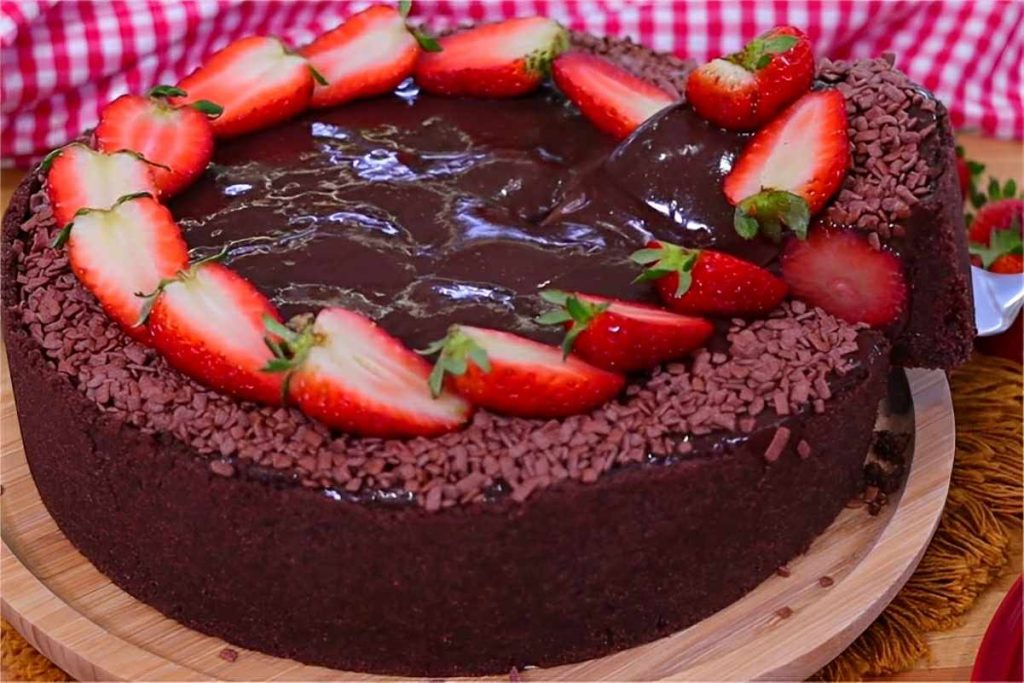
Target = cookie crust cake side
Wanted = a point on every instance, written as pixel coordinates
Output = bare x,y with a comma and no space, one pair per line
577,572
573,571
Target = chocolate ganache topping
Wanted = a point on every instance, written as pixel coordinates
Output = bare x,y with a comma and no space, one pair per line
422,211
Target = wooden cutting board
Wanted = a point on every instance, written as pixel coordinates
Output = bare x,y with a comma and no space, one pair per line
786,628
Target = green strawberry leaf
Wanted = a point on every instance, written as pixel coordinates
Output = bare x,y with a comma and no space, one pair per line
768,210
455,352
211,109
164,91
1010,189
48,160
403,7
427,42
317,76
664,260
1001,243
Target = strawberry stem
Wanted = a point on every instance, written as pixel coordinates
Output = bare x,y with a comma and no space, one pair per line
569,309
757,54
768,210
1001,243
666,259
455,351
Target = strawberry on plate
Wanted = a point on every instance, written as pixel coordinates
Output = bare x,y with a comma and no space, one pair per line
177,140
743,91
1002,252
208,323
345,371
513,375
613,99
369,54
505,59
706,281
1000,214
839,271
80,178
791,167
622,336
118,252
257,81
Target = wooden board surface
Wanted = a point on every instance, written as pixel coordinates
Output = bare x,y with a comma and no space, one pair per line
92,629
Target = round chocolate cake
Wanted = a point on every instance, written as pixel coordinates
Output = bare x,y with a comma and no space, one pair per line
512,541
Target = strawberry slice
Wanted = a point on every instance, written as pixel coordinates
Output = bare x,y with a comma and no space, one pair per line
350,374
369,54
996,215
622,336
207,322
839,271
513,375
791,167
178,141
743,91
706,281
505,59
80,178
257,81
614,100
121,251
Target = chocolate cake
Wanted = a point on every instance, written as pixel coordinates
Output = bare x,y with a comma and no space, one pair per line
512,541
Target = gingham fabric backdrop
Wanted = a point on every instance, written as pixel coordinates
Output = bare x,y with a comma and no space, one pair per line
62,60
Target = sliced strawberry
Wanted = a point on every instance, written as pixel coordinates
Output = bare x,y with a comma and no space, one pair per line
350,374
614,100
743,91
208,322
505,59
118,252
257,81
706,281
1003,252
80,178
178,141
996,215
839,271
622,336
510,374
369,54
791,167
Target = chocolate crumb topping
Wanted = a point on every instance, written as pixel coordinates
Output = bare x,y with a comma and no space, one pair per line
770,369
784,612
826,582
229,654
784,572
890,120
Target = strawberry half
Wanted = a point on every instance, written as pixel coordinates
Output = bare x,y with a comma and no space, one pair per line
207,322
706,281
118,252
80,178
743,91
256,80
791,167
839,271
619,335
369,54
513,375
613,99
350,374
505,59
177,140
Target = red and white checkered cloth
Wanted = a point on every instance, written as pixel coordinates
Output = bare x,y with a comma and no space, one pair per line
63,60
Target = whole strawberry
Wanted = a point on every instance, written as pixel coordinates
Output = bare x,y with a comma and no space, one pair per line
622,335
744,90
706,281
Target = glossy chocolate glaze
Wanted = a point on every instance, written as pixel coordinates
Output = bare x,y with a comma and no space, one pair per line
423,211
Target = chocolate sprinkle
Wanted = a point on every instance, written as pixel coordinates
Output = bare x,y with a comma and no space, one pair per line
229,654
784,612
890,118
775,366
826,582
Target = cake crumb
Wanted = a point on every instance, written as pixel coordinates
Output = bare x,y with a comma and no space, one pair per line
784,572
784,612
229,654
513,675
826,582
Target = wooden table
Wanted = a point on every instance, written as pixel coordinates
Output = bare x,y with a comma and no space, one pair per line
952,651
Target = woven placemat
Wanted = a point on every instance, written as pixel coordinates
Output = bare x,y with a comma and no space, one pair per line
967,553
